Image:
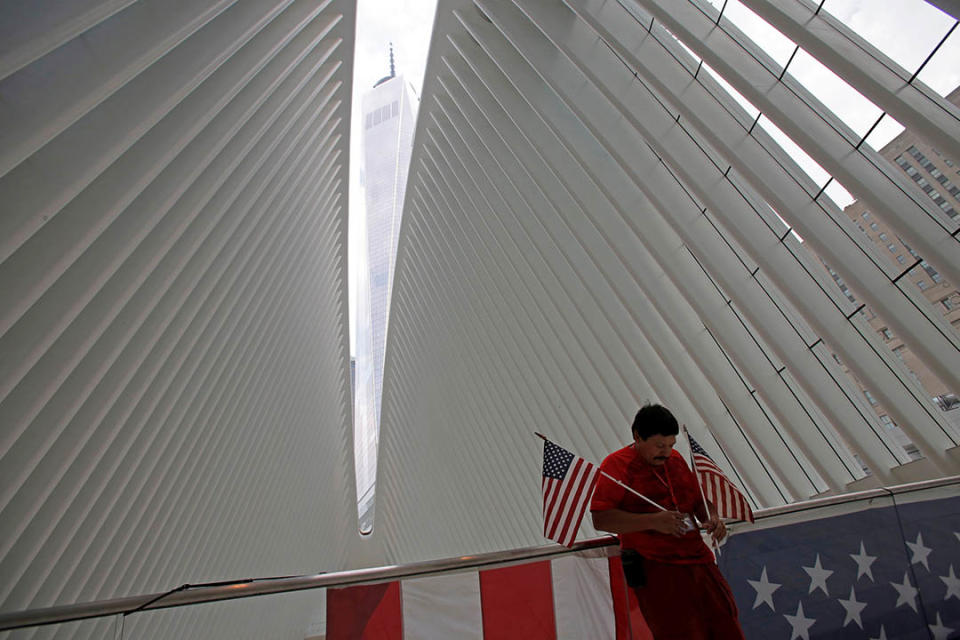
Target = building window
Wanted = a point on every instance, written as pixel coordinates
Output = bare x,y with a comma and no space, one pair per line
873,225
869,397
883,236
901,259
934,275
916,154
948,401
885,332
892,248
922,284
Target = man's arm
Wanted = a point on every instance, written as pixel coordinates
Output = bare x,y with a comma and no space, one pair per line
620,521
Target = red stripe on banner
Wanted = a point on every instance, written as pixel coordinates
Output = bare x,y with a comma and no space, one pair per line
365,612
618,591
517,602
626,610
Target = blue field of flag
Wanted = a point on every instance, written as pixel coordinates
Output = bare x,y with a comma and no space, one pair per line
890,571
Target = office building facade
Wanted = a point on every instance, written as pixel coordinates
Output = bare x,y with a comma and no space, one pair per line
939,177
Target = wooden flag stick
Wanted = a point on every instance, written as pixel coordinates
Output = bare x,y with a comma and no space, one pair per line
610,477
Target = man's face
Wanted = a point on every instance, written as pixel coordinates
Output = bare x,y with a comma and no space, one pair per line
656,449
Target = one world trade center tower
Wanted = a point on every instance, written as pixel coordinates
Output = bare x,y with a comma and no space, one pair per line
388,124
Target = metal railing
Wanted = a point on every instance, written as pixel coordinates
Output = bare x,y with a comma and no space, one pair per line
249,587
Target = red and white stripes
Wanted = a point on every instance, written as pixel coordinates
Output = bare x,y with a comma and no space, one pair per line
572,597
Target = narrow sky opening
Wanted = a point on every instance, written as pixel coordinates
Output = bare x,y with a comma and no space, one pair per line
385,90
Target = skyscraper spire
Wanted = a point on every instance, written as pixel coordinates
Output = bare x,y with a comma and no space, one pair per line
393,73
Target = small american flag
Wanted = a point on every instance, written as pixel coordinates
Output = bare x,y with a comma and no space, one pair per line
568,484
718,489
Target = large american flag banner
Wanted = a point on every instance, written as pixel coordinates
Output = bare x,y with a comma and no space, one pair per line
568,484
717,488
881,568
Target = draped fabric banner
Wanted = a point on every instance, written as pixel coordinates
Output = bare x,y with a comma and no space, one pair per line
567,598
882,568
885,569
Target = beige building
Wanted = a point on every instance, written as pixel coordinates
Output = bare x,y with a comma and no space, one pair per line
939,177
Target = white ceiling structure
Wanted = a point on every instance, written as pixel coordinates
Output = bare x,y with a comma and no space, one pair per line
174,378
593,222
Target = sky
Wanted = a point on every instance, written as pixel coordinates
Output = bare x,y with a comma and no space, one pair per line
904,30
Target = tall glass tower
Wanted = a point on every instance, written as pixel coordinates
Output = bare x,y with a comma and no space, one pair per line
388,123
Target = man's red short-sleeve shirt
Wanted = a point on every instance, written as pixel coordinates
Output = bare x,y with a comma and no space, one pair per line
671,485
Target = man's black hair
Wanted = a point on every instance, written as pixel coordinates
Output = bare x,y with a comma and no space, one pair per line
654,419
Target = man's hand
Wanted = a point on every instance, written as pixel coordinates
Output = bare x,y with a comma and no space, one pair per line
669,522
716,528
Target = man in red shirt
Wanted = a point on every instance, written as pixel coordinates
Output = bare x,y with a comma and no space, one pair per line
672,572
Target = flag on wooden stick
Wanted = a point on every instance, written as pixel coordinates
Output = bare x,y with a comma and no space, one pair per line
568,484
717,488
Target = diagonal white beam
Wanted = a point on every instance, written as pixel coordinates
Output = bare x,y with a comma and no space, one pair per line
893,197
915,105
